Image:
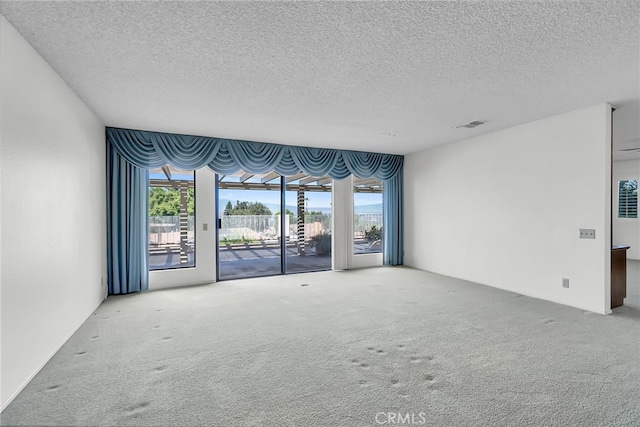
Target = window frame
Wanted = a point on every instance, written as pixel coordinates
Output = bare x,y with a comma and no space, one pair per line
353,197
624,211
177,184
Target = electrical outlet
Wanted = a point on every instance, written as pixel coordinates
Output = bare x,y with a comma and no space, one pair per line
205,227
565,283
587,233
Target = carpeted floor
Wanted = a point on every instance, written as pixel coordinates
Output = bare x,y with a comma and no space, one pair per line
633,283
382,346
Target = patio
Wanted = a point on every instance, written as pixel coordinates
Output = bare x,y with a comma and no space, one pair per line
238,261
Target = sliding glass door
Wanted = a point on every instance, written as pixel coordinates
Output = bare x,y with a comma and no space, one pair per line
249,232
308,203
254,237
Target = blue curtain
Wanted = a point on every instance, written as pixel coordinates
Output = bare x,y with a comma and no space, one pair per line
133,152
127,224
392,208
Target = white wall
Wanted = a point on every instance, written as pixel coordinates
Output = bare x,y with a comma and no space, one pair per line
626,231
341,217
504,209
52,150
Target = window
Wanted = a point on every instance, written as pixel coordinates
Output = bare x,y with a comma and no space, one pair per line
367,216
308,203
628,199
171,219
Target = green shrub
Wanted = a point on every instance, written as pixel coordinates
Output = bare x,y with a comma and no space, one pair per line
373,234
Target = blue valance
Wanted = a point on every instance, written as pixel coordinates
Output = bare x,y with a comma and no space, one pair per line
226,156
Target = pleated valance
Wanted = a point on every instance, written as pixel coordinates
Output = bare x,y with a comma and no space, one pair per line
226,156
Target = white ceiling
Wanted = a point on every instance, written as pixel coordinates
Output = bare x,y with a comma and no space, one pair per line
391,77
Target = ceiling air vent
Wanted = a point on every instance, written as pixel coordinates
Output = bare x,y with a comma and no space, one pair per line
471,125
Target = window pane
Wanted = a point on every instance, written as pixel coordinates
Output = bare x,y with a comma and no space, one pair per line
308,208
628,199
367,216
249,234
171,219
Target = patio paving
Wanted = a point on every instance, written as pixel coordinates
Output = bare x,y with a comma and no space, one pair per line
239,263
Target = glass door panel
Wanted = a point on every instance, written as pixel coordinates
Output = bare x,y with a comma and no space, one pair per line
249,232
308,225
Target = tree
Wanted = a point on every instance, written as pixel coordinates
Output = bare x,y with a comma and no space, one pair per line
247,208
191,201
165,201
291,215
228,208
287,212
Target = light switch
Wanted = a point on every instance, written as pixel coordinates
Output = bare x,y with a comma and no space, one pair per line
205,226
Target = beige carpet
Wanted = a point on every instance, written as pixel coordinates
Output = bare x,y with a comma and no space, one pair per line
633,283
358,348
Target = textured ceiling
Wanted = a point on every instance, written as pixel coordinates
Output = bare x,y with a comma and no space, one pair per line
381,76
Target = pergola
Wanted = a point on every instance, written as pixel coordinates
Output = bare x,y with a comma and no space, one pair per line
300,183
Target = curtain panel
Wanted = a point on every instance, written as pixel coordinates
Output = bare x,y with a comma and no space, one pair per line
127,225
133,152
392,214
